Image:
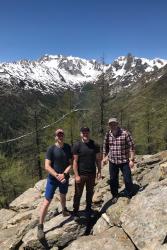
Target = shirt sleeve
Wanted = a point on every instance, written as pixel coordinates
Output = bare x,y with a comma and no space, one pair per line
75,149
130,142
106,144
49,154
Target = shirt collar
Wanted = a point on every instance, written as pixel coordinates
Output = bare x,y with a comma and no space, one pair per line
119,132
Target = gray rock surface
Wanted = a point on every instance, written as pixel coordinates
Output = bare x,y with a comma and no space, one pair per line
112,239
28,200
145,219
101,225
58,232
5,215
139,223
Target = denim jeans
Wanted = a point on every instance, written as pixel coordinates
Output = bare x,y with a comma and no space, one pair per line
114,175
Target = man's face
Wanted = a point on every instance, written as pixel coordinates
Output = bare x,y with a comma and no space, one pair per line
113,125
59,137
85,135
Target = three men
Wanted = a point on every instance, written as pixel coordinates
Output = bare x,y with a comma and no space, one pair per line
86,157
118,148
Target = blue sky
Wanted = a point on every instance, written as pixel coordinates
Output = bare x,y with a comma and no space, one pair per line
83,28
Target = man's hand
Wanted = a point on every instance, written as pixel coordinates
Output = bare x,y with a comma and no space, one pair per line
60,177
104,161
98,175
131,164
77,179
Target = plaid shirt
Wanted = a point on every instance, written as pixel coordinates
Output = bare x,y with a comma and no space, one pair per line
118,148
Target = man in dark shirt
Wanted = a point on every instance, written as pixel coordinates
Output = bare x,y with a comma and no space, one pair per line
86,157
57,164
118,148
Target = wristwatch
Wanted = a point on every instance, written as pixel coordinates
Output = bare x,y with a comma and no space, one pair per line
132,159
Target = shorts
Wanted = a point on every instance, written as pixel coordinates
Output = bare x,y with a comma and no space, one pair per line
51,188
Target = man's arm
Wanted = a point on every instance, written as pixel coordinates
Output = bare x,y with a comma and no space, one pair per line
131,149
106,145
132,159
132,155
105,149
50,170
98,164
75,168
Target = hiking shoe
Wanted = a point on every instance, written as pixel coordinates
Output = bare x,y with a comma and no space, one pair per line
40,232
65,212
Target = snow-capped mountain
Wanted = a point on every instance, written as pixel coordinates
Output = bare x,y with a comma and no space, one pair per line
52,73
127,70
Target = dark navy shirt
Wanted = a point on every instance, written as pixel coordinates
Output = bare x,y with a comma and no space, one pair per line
59,157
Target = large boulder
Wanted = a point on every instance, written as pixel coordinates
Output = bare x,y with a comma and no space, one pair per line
150,168
101,225
9,239
145,219
59,231
115,210
28,200
40,185
110,215
163,169
112,239
150,173
5,216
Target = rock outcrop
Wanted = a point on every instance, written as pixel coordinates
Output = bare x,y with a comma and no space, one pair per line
136,224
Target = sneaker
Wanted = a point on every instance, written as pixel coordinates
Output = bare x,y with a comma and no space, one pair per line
40,232
65,212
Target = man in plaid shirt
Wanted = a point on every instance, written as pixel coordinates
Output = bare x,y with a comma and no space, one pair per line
118,148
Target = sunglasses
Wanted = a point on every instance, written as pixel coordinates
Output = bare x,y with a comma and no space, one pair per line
59,134
85,132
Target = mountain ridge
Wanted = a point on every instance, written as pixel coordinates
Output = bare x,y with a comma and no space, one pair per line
53,73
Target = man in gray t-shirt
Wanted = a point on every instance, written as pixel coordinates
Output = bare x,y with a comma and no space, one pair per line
57,164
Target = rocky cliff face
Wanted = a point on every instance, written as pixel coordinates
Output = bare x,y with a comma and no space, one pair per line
139,223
